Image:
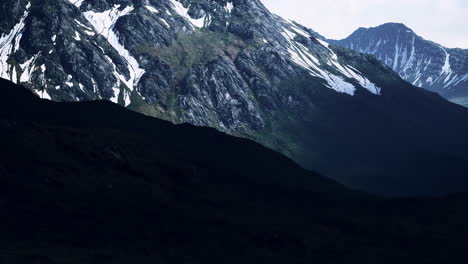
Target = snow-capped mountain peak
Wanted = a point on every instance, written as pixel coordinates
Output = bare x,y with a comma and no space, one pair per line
421,62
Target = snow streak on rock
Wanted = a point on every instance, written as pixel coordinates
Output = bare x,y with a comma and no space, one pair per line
183,12
9,44
77,3
152,9
305,58
27,69
104,24
229,7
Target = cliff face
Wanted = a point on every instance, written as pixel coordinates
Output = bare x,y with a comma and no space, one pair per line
208,62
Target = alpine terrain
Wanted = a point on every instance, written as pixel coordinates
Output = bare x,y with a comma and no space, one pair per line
93,182
234,66
421,62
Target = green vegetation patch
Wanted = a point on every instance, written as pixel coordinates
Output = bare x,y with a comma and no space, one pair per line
200,47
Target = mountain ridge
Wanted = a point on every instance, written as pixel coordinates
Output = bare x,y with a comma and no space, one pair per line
422,62
244,71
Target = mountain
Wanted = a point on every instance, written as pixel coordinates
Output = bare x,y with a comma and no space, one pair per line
93,182
139,52
234,66
421,62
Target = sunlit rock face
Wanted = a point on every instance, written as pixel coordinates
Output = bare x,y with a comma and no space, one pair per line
218,63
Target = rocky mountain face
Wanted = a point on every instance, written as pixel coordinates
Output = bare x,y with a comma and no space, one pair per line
421,62
206,62
234,66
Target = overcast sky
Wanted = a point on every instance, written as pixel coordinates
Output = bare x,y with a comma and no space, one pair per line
442,21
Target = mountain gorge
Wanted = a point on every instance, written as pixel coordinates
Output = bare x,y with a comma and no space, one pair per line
234,66
421,62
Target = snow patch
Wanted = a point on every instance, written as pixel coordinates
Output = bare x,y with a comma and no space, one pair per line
126,97
152,9
9,44
27,69
77,36
183,12
324,43
297,29
165,23
446,69
116,88
69,82
44,94
303,57
104,24
397,53
354,74
229,7
82,25
77,3
81,87
90,33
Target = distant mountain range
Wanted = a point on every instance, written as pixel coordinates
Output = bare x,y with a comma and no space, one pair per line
236,67
421,62
93,182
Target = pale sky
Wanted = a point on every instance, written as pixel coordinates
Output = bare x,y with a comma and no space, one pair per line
442,21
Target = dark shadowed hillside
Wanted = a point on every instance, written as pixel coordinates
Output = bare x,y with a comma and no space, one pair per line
234,66
96,183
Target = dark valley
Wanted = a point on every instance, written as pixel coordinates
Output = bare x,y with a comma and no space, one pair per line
80,185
